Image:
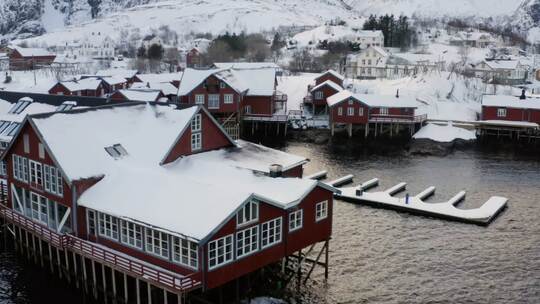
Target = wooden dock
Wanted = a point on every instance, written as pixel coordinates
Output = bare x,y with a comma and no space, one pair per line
415,204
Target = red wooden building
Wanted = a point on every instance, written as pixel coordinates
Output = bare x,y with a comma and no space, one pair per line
326,85
332,76
83,87
138,94
380,111
29,58
511,108
194,58
162,190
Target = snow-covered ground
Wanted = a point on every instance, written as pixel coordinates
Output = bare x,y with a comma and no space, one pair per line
296,88
446,133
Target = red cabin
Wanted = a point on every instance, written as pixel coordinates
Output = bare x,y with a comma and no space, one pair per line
138,94
164,188
511,108
29,58
332,76
84,87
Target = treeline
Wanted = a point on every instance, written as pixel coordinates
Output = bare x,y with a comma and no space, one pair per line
397,31
509,34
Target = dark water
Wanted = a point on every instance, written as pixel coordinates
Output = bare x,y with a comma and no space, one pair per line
382,256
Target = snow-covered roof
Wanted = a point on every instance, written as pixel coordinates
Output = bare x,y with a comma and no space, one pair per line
117,72
329,83
166,88
254,82
16,118
446,133
332,72
82,84
140,94
502,64
509,101
370,33
29,52
192,195
373,101
155,78
246,65
112,80
379,50
508,123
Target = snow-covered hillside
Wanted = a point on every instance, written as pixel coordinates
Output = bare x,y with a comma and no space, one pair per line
437,8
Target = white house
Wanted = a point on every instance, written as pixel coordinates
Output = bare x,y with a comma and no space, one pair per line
370,38
97,46
367,63
508,71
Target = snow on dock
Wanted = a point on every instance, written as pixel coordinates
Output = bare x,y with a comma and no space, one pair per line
318,175
415,204
341,181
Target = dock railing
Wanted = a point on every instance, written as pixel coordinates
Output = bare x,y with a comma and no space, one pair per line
99,253
398,118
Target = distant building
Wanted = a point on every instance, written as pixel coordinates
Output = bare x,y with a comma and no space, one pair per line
366,39
97,46
327,84
511,108
472,39
197,49
507,71
29,58
91,87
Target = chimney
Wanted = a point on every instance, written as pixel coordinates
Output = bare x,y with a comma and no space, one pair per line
397,93
523,97
276,170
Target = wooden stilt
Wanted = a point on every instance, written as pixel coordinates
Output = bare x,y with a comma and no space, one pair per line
41,253
277,130
75,270
349,130
113,279
149,288
366,130
104,279
126,295
50,258
27,244
68,275
179,298
85,275
94,280
138,290
332,129
34,249
326,259
165,300
60,270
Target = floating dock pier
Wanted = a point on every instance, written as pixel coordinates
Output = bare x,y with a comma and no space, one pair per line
416,205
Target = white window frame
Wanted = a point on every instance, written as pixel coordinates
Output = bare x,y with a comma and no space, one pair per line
26,143
271,233
296,220
131,234
36,173
196,123
199,99
220,251
321,211
38,203
247,109
383,111
41,151
501,112
91,222
247,241
196,141
318,95
248,214
185,252
340,111
108,226
350,111
228,98
213,101
360,111
157,243
20,168
53,181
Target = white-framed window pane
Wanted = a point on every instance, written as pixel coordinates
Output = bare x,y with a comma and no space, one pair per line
108,226
228,98
220,251
199,99
248,214
196,123
271,232
196,141
321,211
296,220
157,243
131,234
350,111
213,101
340,111
247,241
185,252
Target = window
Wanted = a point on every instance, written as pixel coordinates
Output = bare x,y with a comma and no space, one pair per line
199,99
116,151
222,85
53,180
41,150
247,109
67,105
501,112
295,220
350,111
12,129
185,252
228,98
220,251
213,101
3,125
248,214
196,141
36,173
383,111
247,241
321,211
19,106
20,168
26,141
157,243
319,95
271,232
360,111
131,234
196,123
3,168
91,216
340,111
39,207
351,102
108,226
